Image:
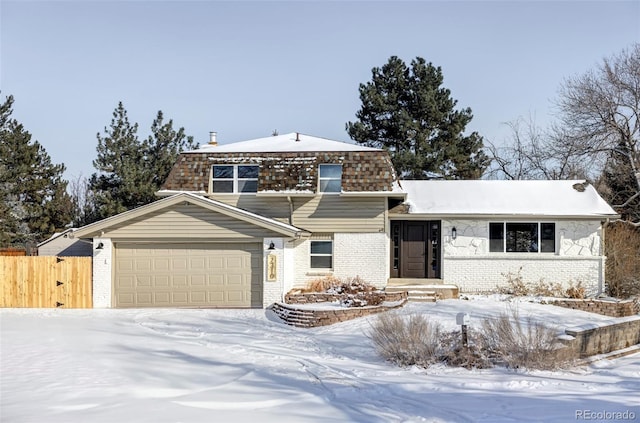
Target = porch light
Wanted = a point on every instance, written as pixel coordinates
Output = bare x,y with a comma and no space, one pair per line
272,246
454,233
100,246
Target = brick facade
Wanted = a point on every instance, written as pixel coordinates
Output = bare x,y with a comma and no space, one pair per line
361,170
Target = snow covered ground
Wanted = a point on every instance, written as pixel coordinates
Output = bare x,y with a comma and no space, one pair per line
167,365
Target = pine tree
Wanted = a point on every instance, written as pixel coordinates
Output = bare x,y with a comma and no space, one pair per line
34,202
121,182
130,171
163,147
408,112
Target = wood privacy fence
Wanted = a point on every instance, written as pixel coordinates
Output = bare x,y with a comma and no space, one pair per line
46,282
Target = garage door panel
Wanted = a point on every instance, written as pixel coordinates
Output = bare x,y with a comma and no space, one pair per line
214,275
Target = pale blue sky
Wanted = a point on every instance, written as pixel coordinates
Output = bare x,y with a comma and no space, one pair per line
246,68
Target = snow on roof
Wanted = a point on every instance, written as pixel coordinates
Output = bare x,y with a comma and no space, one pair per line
546,198
283,143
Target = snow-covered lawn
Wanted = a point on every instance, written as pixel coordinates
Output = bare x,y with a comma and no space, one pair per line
167,365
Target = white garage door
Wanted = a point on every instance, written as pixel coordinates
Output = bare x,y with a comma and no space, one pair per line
177,275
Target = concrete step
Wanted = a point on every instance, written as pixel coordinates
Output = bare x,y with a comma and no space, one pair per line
442,292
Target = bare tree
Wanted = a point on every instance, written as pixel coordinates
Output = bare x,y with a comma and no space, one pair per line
534,153
82,201
599,113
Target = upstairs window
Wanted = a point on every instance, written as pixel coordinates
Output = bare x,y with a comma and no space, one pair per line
525,237
235,179
330,178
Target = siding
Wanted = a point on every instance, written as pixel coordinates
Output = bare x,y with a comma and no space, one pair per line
333,213
64,246
322,213
187,222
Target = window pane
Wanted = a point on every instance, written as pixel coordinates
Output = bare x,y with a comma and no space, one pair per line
496,237
321,247
247,171
522,237
548,237
331,171
321,262
223,171
330,186
222,186
247,186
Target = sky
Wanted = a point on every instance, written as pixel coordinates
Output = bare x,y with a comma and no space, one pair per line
247,68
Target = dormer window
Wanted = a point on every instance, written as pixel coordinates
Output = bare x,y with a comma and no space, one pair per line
330,178
235,179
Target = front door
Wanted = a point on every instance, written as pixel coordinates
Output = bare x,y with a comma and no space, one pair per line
415,249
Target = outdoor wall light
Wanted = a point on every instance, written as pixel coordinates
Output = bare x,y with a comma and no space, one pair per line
272,246
100,246
454,233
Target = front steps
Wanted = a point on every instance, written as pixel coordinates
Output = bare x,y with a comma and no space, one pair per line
423,290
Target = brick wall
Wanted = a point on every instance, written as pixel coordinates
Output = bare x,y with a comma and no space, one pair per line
354,254
319,297
102,268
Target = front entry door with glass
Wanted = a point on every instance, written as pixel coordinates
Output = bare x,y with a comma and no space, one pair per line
415,249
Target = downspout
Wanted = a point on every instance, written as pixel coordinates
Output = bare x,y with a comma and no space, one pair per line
290,201
603,257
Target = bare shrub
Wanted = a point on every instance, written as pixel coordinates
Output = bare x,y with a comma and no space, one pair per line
514,284
406,341
323,284
576,291
469,357
622,247
547,289
526,344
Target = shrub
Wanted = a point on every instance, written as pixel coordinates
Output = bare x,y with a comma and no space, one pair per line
470,357
622,243
514,285
323,284
530,344
576,291
406,341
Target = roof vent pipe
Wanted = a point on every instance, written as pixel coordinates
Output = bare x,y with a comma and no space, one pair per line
297,136
212,138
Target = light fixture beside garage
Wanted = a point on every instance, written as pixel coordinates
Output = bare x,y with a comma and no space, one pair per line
272,246
100,246
454,233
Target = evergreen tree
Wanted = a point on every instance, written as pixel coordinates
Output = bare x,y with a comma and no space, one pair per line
163,147
121,182
130,171
34,202
408,112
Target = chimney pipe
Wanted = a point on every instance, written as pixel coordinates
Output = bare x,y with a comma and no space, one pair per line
297,137
212,138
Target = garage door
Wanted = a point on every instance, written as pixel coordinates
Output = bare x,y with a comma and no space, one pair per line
175,275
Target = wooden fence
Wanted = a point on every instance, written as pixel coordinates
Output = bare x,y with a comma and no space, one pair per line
46,282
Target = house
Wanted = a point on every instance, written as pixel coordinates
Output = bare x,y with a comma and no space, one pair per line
63,244
241,224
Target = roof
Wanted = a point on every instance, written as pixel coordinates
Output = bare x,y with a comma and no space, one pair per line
283,143
213,205
518,198
55,236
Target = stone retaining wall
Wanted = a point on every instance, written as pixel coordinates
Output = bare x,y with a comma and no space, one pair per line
320,297
601,340
604,307
309,318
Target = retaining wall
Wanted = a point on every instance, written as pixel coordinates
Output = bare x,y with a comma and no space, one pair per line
601,340
607,308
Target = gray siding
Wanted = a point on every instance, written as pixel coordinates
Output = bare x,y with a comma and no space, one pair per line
64,246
